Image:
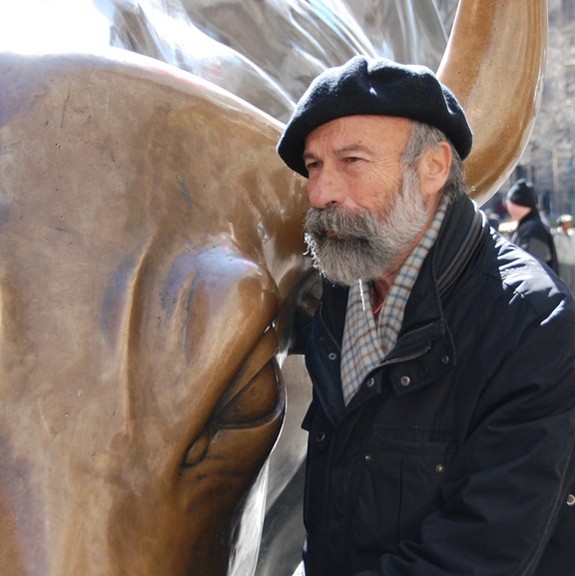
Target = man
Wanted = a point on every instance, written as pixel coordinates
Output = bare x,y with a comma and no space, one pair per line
564,239
531,233
441,428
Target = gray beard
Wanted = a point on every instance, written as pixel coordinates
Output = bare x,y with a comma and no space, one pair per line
362,245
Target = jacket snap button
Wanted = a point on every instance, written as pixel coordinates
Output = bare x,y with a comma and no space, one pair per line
405,381
367,457
320,437
440,468
445,359
571,500
332,355
370,383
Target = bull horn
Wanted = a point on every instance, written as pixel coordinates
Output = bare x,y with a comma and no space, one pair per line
494,63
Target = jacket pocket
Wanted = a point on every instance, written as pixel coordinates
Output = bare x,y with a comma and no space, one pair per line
399,486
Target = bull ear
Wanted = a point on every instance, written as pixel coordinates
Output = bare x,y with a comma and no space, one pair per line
494,63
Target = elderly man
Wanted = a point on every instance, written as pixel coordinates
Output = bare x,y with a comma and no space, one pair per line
442,424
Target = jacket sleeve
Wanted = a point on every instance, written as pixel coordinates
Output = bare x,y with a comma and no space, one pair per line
510,479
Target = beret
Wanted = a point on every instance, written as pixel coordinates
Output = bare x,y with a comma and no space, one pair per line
374,86
522,193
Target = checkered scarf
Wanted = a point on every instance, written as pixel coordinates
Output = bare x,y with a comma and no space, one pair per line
367,341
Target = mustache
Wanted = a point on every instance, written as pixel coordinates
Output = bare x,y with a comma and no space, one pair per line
337,221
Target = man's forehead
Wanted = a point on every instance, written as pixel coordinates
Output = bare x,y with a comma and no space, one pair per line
355,132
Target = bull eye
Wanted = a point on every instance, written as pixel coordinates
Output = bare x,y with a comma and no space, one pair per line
253,398
245,405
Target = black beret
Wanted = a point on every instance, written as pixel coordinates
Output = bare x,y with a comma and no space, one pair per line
374,87
522,193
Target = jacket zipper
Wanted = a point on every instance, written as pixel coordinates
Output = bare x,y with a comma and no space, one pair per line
406,358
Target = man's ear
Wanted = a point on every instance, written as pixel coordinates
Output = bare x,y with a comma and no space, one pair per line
434,167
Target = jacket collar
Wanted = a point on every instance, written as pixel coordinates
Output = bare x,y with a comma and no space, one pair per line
459,237
463,228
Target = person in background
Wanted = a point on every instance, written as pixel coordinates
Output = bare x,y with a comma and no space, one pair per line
564,238
531,233
442,424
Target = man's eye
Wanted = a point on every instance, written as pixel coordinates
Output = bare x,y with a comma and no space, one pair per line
311,165
352,159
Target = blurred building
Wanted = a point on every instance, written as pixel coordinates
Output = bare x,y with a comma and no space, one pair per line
549,158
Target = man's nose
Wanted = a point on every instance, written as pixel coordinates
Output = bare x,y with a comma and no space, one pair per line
324,189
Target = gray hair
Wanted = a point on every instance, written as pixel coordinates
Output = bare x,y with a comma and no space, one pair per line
423,136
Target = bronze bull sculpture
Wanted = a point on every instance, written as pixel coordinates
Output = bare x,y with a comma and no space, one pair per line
150,268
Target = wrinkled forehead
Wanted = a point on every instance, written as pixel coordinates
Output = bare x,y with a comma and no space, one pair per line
360,131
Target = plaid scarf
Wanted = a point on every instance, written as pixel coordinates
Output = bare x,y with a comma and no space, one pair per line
367,340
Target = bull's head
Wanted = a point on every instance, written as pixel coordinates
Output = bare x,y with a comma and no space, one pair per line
150,262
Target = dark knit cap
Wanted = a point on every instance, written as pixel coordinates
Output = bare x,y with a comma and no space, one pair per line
522,193
375,86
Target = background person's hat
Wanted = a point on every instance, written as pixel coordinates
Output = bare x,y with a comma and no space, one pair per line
522,193
564,219
374,87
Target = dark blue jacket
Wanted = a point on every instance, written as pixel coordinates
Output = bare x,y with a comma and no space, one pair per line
533,236
456,456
